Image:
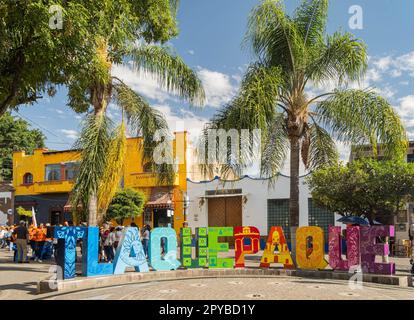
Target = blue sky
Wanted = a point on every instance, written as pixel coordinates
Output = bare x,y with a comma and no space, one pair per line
210,38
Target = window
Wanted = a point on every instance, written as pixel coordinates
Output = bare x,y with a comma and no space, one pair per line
28,178
278,215
410,158
53,172
320,217
71,170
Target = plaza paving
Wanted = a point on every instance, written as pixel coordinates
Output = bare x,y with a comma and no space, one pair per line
242,289
18,281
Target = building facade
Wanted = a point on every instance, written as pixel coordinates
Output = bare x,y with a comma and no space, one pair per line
44,180
252,202
6,204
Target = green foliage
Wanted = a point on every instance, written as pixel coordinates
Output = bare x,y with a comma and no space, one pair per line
126,203
16,135
33,56
25,213
366,187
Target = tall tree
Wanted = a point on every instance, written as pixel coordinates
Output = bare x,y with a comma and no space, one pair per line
369,188
35,52
16,135
124,30
292,55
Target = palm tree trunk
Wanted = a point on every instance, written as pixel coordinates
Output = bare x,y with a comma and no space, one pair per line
93,210
294,193
294,182
99,100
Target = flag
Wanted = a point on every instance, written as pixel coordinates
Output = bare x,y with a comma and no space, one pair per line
34,217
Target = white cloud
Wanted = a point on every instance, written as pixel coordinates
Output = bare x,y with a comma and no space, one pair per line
141,82
191,52
406,111
218,87
406,63
406,107
71,134
383,63
185,121
395,66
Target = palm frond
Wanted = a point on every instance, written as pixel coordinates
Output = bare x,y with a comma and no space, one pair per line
170,71
361,116
147,122
311,18
273,36
343,58
275,147
113,170
322,149
94,142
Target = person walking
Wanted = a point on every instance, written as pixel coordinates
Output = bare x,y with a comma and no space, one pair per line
145,238
40,238
118,236
108,239
2,237
22,236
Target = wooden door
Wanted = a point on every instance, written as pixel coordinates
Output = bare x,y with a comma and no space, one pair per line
225,212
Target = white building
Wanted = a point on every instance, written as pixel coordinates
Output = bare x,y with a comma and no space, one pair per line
251,202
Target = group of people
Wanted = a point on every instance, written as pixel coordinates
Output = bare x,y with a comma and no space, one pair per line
36,243
19,238
109,238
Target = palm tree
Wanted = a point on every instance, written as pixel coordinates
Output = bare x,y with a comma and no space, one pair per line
293,54
103,145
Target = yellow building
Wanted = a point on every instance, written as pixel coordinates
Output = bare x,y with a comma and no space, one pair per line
44,180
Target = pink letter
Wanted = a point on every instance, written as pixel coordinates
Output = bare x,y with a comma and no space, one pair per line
335,248
370,248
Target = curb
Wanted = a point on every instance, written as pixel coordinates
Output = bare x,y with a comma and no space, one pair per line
86,283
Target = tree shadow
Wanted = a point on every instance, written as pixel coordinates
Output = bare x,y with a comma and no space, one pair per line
28,287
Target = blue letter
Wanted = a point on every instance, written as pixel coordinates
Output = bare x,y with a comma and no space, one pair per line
90,264
66,258
169,261
130,253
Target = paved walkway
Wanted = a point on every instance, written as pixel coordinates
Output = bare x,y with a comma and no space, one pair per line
18,281
279,288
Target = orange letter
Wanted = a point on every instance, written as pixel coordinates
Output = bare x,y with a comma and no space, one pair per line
310,248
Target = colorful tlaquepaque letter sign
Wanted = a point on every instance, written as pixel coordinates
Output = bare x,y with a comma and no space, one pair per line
241,236
186,238
67,258
166,260
371,248
130,253
214,247
90,265
276,239
310,248
335,248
